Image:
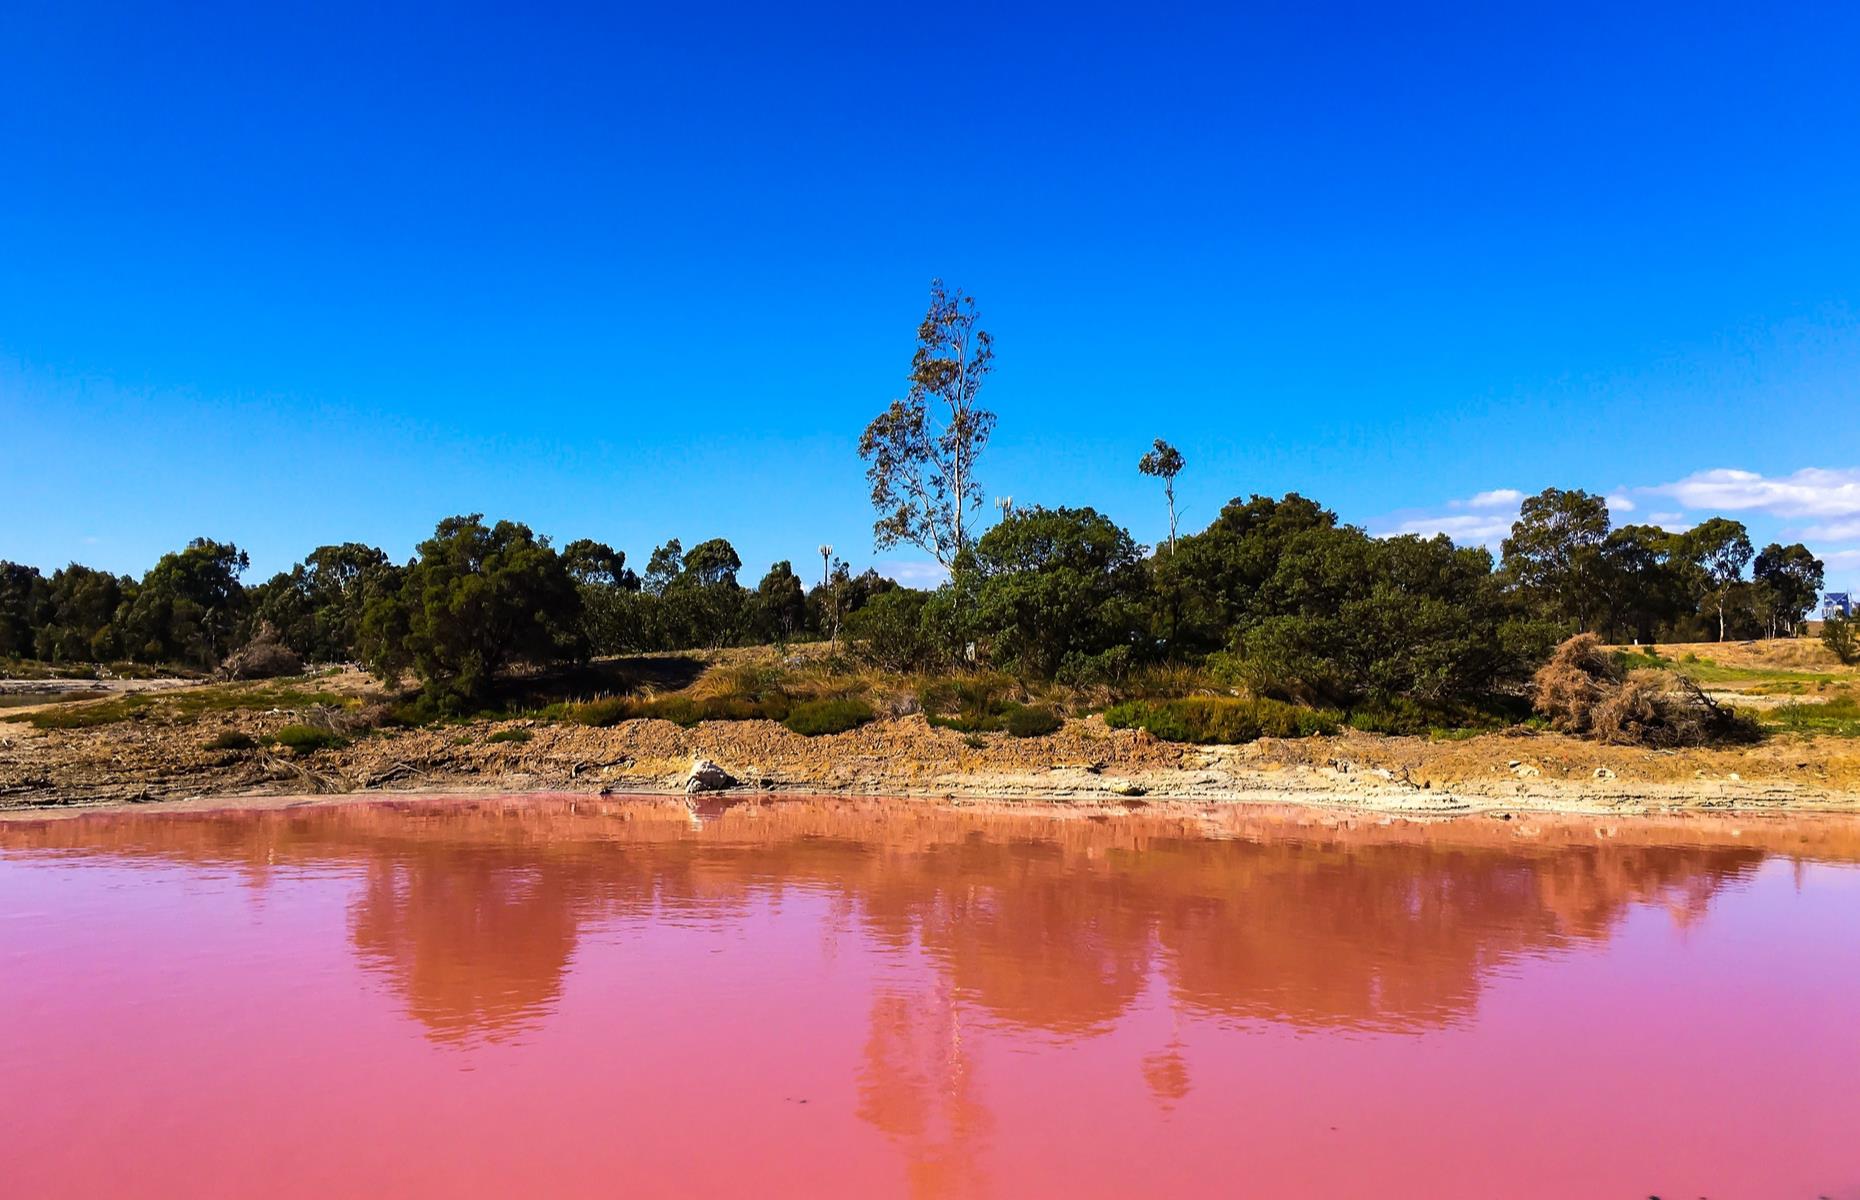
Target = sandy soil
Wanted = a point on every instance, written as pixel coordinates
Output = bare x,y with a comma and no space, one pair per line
141,761
158,759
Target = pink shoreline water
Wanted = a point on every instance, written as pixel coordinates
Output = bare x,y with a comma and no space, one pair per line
542,997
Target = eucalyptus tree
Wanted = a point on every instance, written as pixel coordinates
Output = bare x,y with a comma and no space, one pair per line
1164,462
922,450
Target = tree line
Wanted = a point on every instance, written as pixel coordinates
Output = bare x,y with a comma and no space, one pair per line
1275,594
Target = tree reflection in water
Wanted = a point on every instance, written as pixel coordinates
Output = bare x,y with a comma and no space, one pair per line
1028,918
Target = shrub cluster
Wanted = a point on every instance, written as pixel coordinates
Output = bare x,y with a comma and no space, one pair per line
307,739
1586,691
1221,720
812,718
984,704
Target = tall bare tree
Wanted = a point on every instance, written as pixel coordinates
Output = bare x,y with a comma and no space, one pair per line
1165,462
921,451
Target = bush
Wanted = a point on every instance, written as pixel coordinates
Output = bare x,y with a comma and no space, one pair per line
510,735
1217,720
813,718
1107,668
232,739
1584,691
1024,720
307,739
262,658
1839,634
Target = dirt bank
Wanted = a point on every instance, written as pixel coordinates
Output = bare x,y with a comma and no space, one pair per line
150,760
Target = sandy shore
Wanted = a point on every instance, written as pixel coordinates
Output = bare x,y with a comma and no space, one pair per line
149,762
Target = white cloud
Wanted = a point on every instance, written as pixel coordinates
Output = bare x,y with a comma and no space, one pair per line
1466,530
1497,498
1834,531
1672,522
1619,503
914,573
1810,492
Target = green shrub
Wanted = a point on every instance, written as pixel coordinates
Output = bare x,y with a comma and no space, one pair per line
815,717
1217,720
510,735
1025,720
232,739
307,739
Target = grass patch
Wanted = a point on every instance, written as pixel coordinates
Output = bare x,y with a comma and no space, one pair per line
232,739
510,735
1839,717
1401,717
1224,721
185,705
812,718
1704,670
308,739
985,704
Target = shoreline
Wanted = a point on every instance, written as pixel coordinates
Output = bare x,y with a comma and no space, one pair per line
1023,793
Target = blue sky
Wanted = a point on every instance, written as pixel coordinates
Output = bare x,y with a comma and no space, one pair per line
288,275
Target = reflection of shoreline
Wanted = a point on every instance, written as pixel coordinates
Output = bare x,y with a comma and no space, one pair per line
472,909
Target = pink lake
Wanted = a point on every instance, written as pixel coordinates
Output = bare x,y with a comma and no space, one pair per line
557,996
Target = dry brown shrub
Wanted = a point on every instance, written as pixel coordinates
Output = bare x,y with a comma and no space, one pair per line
1567,689
261,660
1582,691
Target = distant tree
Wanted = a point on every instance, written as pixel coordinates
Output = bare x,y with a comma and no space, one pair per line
781,603
476,600
188,605
20,591
664,567
1554,553
921,463
598,564
1720,549
1791,578
1164,462
78,614
316,608
1055,582
1211,585
1641,589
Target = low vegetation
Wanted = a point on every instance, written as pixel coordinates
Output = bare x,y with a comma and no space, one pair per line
1212,720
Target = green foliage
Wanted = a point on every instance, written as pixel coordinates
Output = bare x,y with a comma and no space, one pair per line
316,608
1056,582
1790,579
518,736
1400,716
1107,668
188,606
1841,635
232,739
1554,553
1027,720
476,600
1837,717
897,631
984,704
308,739
922,450
1224,721
812,718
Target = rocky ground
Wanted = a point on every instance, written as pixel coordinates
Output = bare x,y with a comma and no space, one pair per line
135,761
164,754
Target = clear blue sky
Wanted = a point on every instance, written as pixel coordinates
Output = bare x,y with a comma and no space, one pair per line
288,275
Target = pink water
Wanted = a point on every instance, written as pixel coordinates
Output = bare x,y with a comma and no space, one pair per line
546,996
